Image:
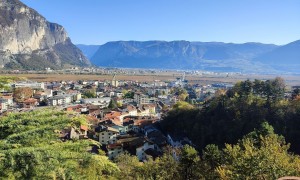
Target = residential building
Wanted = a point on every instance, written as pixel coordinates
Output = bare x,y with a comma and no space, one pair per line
29,103
108,135
59,100
8,100
140,98
103,101
113,150
78,133
121,129
4,105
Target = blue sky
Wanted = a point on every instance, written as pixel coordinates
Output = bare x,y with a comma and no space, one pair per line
238,21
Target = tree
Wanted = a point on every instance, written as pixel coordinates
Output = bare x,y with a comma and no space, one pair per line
212,156
112,104
258,87
91,93
183,96
274,89
264,156
188,163
5,80
128,166
296,93
129,95
182,105
22,93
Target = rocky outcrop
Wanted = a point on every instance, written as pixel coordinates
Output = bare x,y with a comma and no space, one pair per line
26,37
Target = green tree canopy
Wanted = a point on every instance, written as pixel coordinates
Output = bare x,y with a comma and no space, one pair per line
264,156
30,148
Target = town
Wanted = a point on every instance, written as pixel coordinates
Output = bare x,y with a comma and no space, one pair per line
123,116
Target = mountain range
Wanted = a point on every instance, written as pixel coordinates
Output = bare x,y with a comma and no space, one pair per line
29,41
213,56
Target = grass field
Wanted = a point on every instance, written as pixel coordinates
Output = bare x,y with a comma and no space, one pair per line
195,79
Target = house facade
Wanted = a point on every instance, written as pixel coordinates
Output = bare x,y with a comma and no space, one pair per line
108,135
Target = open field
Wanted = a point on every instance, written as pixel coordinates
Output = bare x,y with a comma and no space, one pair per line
195,79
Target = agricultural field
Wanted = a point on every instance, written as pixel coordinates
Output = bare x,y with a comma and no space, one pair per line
291,80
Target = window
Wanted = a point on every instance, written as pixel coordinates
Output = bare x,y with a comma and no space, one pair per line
102,133
109,134
102,140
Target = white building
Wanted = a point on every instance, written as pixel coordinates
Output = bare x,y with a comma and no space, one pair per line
9,99
33,85
6,102
108,135
140,151
60,100
3,105
103,101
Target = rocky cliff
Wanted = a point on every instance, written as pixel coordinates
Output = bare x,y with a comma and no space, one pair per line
29,41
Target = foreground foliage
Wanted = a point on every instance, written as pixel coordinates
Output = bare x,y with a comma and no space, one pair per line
261,154
31,149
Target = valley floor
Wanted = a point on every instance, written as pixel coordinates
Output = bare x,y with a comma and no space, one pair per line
291,80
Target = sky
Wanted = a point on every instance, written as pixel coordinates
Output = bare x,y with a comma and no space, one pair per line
238,21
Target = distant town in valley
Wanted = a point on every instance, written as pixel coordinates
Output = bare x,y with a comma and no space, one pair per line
122,114
149,109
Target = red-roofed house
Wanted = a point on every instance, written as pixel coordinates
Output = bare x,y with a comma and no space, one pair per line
29,103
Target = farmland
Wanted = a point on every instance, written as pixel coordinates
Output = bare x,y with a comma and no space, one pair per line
194,79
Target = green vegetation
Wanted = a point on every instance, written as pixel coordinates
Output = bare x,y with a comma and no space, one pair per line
261,154
229,116
91,93
182,105
128,94
181,93
113,104
5,80
30,148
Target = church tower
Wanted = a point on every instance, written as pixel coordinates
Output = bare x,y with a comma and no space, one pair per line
114,82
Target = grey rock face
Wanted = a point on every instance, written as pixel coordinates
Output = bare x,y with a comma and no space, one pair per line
25,33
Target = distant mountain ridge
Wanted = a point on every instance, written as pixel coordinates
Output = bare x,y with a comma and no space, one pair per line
29,41
286,58
213,56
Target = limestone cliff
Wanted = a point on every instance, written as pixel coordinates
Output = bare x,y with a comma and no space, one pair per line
28,40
